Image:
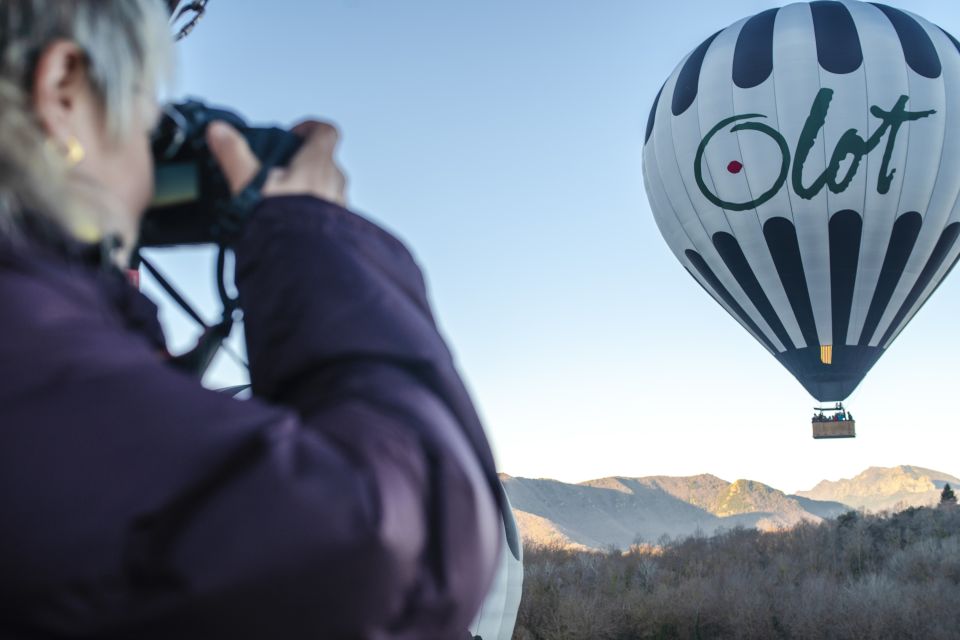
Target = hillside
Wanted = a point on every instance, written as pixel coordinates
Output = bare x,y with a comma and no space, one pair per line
885,488
618,511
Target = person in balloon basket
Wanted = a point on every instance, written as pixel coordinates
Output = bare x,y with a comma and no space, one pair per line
353,496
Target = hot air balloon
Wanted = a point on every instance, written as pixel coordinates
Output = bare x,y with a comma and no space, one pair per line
803,164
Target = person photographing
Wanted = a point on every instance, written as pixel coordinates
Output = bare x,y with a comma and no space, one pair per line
352,497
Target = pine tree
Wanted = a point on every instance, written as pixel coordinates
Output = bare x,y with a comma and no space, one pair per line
948,498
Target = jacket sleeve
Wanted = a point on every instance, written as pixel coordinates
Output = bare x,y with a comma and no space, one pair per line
352,497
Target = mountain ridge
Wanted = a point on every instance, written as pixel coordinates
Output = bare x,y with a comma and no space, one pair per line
885,488
617,511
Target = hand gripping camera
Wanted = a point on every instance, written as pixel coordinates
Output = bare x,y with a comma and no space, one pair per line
192,202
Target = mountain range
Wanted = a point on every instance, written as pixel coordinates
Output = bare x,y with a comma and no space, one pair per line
619,511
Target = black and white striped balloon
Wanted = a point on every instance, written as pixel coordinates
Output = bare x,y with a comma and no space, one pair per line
803,164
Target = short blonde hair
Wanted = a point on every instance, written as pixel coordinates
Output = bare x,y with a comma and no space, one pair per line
129,49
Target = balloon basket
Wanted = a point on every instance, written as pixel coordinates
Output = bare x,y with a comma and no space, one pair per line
834,429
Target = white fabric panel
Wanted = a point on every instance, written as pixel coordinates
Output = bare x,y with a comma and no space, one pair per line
674,190
796,80
670,227
490,618
849,109
761,155
922,139
686,138
514,587
886,80
664,173
498,613
937,279
714,104
923,173
934,283
669,131
761,158
663,213
947,191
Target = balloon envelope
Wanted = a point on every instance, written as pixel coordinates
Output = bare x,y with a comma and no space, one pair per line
803,165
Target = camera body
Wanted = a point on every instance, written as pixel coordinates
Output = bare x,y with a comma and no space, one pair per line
192,202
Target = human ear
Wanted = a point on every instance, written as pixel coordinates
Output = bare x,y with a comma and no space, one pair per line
59,86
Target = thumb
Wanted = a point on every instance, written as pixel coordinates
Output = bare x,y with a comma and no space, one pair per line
233,154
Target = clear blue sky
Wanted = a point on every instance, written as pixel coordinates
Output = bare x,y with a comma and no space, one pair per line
502,141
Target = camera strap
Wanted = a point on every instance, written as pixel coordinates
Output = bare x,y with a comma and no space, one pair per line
197,360
230,223
233,215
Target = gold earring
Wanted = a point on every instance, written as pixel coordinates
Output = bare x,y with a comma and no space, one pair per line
75,153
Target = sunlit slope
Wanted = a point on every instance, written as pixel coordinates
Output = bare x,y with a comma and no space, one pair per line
880,488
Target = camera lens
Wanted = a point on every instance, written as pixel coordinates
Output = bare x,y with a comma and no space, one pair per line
170,134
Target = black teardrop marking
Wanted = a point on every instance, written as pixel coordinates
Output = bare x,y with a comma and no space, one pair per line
946,242
781,238
952,39
846,228
838,43
729,250
918,49
653,114
753,55
688,80
902,238
707,274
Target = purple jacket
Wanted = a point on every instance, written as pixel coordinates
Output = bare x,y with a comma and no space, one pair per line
352,498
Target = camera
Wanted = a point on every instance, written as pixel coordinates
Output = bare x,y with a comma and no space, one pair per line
192,202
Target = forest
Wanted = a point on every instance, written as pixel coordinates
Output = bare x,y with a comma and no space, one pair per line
890,575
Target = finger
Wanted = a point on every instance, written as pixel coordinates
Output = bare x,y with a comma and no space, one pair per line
342,183
305,128
233,154
319,145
